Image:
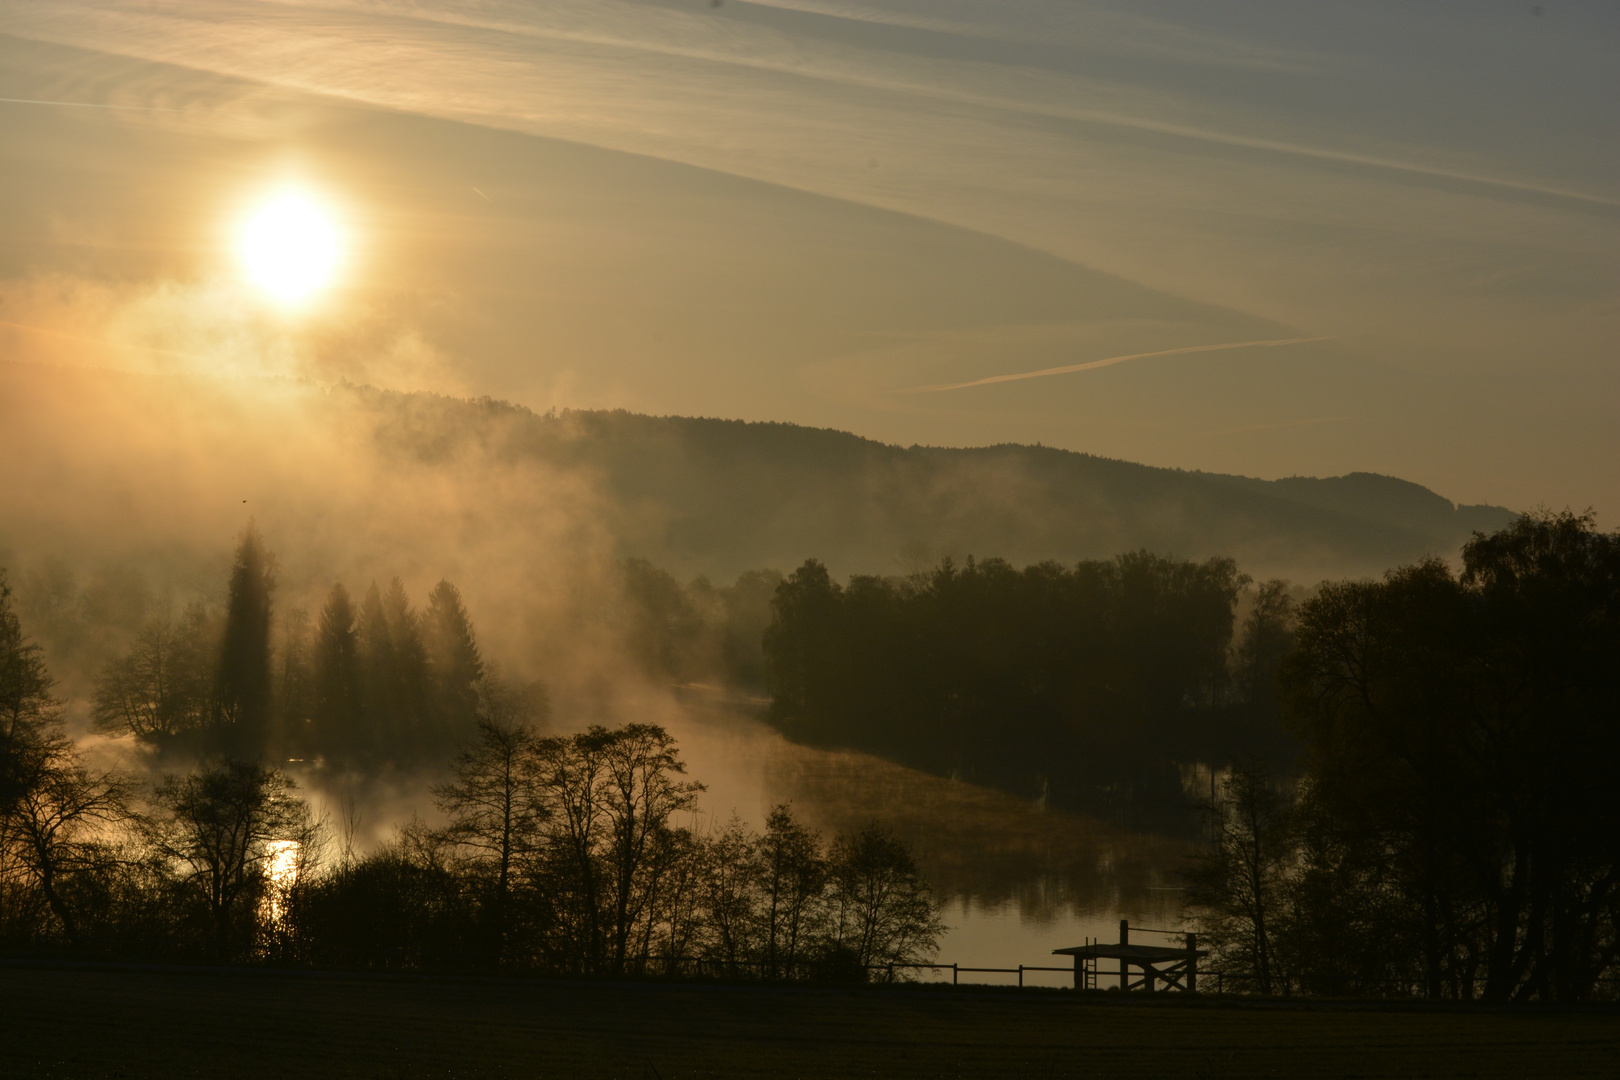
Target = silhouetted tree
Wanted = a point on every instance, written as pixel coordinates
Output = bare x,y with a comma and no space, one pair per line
1266,641
1460,732
50,803
665,634
791,872
730,900
1116,669
495,813
380,708
296,693
642,789
337,674
610,795
244,668
1241,885
412,691
164,688
405,906
220,829
28,711
883,911
453,659
54,825
570,771
801,643
677,869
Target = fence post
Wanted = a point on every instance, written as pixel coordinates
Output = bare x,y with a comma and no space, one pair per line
1020,976
953,975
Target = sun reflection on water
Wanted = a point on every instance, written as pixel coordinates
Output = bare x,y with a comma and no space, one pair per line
281,868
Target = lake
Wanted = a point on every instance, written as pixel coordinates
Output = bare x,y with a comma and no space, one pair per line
1017,879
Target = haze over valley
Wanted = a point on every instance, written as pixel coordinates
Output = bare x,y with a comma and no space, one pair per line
811,496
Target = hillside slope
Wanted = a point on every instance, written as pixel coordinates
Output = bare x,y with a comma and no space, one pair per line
97,464
720,496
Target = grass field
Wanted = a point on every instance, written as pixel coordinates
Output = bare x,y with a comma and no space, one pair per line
82,1023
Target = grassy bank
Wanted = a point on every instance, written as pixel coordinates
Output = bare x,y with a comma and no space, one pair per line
89,1024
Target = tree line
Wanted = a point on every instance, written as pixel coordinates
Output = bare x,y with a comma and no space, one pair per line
558,853
1455,828
1086,686
361,684
700,631
563,854
1415,797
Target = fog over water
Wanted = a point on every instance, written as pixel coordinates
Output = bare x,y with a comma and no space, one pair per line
1016,879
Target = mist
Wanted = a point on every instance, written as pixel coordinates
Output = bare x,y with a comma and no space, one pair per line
814,491
794,212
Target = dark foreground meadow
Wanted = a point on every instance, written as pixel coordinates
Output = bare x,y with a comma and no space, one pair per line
84,1023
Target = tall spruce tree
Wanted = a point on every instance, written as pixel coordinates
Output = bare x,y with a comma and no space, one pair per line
295,690
454,660
244,667
379,710
412,692
337,675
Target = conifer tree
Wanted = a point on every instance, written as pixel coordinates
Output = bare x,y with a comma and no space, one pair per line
244,666
411,685
453,658
295,692
378,709
337,683
27,709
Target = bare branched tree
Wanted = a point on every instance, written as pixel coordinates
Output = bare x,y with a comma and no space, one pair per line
221,829
792,874
55,825
1240,886
643,789
495,814
731,904
883,909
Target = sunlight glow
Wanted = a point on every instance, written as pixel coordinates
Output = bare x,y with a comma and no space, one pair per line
291,246
282,869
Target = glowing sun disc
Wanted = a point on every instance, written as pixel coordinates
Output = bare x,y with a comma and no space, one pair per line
290,246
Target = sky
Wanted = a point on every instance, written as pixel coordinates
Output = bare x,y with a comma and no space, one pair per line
1264,238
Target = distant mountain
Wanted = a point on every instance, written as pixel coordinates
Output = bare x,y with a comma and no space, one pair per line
720,496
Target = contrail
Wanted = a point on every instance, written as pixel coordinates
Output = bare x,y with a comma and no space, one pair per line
86,105
1109,361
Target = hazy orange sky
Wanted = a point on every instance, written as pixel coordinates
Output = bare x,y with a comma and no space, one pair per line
1403,217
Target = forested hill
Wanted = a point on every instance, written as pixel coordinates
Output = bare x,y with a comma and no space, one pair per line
720,496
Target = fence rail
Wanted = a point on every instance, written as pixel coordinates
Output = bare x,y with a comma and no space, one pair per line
720,968
1218,981
956,970
711,967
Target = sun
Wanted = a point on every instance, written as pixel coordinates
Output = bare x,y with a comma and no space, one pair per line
290,245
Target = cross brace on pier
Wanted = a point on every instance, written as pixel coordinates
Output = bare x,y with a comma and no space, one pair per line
1176,968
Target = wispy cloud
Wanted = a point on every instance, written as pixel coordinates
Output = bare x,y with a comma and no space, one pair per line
1069,369
1431,187
87,105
